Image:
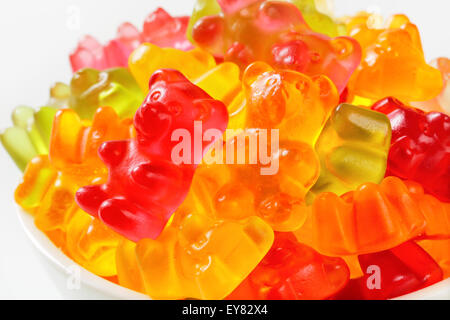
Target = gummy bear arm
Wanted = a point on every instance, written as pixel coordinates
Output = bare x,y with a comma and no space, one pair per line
151,174
113,152
130,220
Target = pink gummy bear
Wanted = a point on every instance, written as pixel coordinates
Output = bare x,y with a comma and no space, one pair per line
276,33
159,28
145,185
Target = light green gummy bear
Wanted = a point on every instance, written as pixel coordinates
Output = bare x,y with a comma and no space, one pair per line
353,148
202,8
317,20
30,134
115,88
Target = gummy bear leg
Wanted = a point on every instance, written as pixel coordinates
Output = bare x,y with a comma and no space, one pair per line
130,220
90,198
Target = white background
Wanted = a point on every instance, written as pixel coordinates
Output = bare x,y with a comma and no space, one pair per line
36,38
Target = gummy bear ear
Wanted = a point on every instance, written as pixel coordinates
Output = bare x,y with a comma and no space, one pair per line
253,71
166,75
345,47
400,21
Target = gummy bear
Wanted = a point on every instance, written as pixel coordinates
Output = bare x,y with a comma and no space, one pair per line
92,54
165,31
194,257
442,102
316,19
201,9
275,32
420,146
221,81
293,271
353,148
146,184
59,95
148,58
373,218
284,114
296,104
392,273
440,251
393,63
116,88
50,182
159,28
30,134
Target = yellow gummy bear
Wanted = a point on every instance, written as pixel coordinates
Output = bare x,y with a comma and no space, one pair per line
222,81
194,257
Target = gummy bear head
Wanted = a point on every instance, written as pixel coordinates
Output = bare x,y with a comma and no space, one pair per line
274,97
173,102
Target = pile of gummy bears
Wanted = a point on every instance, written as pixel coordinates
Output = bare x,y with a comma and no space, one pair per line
358,208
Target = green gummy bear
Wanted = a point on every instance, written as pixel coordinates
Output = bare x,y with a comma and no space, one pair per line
353,148
30,134
317,20
202,8
116,88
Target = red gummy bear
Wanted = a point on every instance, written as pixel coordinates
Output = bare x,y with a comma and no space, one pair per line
293,271
392,273
420,146
145,185
159,28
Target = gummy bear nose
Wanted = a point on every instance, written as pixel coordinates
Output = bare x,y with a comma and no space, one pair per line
153,120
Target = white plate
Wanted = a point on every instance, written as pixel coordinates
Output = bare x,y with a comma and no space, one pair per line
74,281
66,273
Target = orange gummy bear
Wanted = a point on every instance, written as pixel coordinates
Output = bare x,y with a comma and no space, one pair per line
50,182
393,63
374,218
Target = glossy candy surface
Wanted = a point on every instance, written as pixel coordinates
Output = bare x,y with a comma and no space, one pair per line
221,81
353,149
159,28
145,184
317,191
420,149
50,182
148,58
116,88
30,134
374,218
194,257
392,273
442,102
293,271
440,251
268,173
316,19
275,32
393,63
